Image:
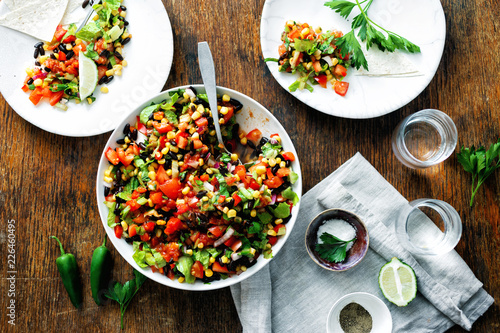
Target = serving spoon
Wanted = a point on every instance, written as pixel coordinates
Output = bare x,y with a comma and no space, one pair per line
208,76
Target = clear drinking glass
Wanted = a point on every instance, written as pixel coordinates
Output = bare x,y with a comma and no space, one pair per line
429,227
425,138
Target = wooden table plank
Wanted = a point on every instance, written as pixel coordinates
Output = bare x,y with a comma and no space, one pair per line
47,181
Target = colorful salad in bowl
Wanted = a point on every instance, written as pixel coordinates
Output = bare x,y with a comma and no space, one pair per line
183,211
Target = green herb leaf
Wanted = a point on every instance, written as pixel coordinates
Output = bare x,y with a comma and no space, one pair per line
348,44
332,249
344,8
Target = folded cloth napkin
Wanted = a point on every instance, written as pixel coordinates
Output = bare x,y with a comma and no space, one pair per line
293,294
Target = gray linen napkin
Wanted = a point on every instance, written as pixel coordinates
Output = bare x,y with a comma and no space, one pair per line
293,294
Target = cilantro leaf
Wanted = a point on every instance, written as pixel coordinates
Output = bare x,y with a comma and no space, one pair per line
481,163
332,249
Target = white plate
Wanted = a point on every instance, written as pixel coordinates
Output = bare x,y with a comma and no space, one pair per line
422,22
149,55
381,317
253,115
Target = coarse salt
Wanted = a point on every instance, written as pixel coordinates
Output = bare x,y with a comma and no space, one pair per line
338,228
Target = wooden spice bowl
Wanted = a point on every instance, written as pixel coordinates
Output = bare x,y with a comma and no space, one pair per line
354,255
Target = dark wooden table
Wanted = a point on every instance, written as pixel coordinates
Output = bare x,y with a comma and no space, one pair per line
47,181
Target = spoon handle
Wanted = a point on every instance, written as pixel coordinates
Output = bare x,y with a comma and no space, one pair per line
208,76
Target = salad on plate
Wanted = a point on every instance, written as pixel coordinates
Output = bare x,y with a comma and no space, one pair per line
189,210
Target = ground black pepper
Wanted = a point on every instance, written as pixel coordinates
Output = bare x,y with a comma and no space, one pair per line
355,319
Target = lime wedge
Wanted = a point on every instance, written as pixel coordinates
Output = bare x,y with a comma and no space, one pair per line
115,32
398,282
88,76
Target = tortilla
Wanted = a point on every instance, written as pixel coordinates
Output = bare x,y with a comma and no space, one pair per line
74,12
38,18
391,64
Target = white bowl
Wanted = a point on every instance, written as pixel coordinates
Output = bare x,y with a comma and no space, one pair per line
381,317
253,115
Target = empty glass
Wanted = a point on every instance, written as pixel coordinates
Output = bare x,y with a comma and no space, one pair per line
429,227
425,138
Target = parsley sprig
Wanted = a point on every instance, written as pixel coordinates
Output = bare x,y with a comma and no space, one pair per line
481,163
332,249
369,31
123,294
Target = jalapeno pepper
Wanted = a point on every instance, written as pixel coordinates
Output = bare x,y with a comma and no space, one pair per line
100,270
68,269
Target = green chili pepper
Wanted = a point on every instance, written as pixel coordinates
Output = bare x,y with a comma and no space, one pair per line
68,269
100,270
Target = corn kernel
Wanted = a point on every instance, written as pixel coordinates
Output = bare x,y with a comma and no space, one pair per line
234,157
268,246
38,82
225,260
108,179
192,130
200,109
95,18
124,225
318,30
224,110
260,170
196,115
208,272
195,135
110,72
171,135
243,268
124,63
161,222
244,141
225,210
158,232
117,67
205,198
162,161
123,14
118,73
282,164
256,194
164,151
181,279
212,260
253,213
210,195
304,32
226,98
45,47
181,163
209,171
29,72
221,121
264,160
174,149
212,133
278,160
200,245
186,190
272,162
231,213
271,233
104,90
201,162
335,61
278,221
150,203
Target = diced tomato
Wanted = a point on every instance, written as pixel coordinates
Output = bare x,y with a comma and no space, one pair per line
197,144
272,240
162,128
126,159
340,71
149,227
140,219
230,241
101,71
236,199
204,177
317,67
134,205
173,224
146,237
274,182
289,156
56,97
193,201
293,34
61,56
341,87
118,231
161,175
228,115
132,230
217,230
216,267
141,127
278,227
254,135
321,79
236,245
253,184
110,198
171,188
200,122
282,172
240,171
197,269
25,88
171,274
36,95
60,32
281,49
182,142
156,197
112,156
230,180
182,208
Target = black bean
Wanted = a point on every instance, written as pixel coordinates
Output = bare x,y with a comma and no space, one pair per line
37,63
126,129
172,155
73,44
202,102
70,55
30,81
104,53
109,79
275,168
103,80
106,191
41,51
194,90
201,194
39,44
110,66
142,145
284,56
53,56
151,116
123,8
35,54
56,50
98,38
125,22
118,55
62,47
237,105
118,174
143,156
85,3
126,40
251,144
46,69
120,141
287,162
173,143
134,133
129,240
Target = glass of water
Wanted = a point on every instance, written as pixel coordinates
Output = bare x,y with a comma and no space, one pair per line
429,227
424,139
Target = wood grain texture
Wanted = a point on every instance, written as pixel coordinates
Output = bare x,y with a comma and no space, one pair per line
47,181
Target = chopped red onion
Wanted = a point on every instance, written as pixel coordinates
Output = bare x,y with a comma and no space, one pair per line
273,199
42,76
208,186
227,235
235,256
190,93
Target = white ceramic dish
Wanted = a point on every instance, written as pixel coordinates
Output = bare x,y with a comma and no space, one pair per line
382,319
422,22
152,35
253,115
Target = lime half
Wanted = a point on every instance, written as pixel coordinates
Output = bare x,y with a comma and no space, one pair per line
398,282
88,76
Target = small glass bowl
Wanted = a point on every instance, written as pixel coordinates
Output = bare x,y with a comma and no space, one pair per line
429,227
357,251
